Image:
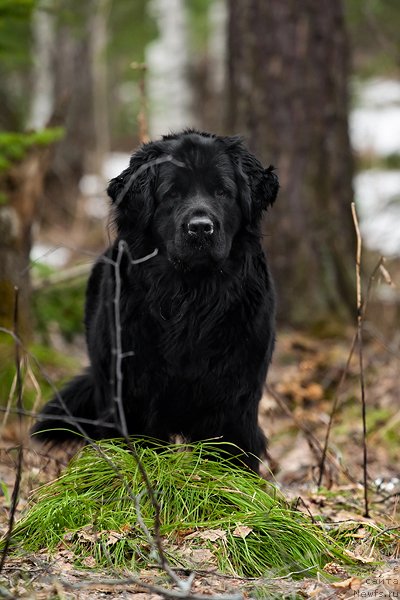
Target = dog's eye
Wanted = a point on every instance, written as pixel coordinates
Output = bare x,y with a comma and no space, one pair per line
173,193
221,192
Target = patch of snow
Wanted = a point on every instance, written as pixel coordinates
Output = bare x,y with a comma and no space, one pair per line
375,189
378,200
114,163
375,121
376,130
53,256
378,92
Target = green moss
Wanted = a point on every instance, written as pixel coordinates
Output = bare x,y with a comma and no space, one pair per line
14,146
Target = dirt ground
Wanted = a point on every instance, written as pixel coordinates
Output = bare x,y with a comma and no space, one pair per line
306,381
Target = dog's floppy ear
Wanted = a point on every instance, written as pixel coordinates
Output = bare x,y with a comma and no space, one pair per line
131,192
258,187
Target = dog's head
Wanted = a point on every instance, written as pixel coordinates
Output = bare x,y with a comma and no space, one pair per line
190,194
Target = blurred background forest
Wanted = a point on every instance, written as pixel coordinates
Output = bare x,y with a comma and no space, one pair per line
312,86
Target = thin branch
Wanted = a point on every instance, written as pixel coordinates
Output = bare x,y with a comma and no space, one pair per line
378,268
333,411
56,417
117,350
360,355
17,483
312,440
117,383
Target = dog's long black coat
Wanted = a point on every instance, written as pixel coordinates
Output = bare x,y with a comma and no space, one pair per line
184,338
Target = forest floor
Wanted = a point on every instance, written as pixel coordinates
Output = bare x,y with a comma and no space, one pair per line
303,384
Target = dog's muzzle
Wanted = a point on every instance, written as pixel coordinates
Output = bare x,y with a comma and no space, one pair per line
200,227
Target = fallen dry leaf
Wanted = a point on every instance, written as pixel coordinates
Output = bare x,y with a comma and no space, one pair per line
363,559
315,593
242,531
202,556
211,535
352,583
89,561
112,537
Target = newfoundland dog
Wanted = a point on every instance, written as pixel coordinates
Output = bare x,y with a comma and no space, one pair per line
180,309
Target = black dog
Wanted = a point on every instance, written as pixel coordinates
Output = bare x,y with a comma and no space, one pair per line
180,309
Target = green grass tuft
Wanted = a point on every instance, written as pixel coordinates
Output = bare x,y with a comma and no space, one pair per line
206,504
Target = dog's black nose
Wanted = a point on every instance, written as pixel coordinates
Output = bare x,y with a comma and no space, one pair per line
200,226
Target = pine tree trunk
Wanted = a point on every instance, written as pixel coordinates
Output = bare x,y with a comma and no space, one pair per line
81,106
22,186
287,79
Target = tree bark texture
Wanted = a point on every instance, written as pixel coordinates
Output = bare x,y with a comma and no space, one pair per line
22,186
287,93
80,106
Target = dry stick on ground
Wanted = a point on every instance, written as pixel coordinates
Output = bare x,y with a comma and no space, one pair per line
361,357
15,493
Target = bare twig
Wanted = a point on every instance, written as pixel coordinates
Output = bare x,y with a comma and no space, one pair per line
333,411
378,268
312,440
56,417
117,349
116,383
360,355
18,474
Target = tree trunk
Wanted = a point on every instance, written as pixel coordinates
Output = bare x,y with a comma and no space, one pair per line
21,185
80,100
287,92
42,96
98,44
169,93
